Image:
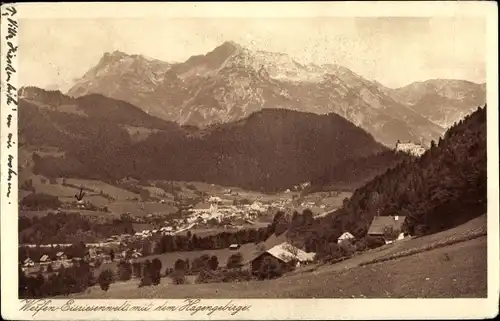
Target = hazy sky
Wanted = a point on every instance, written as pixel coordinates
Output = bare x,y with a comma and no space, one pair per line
393,51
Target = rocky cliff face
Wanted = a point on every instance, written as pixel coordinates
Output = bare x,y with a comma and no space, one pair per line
443,101
121,76
231,82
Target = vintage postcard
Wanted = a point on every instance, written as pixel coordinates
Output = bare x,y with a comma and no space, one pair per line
249,161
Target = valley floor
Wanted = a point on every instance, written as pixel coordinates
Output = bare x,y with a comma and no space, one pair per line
449,264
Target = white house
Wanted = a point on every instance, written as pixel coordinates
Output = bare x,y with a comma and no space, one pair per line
215,199
234,247
28,262
345,237
257,206
61,256
44,259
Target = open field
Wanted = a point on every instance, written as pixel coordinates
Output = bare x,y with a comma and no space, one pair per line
452,263
98,186
202,232
168,259
138,208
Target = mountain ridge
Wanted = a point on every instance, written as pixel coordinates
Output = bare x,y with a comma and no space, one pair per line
230,82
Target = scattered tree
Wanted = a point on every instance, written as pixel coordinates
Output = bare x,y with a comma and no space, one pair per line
235,261
105,279
213,263
124,271
156,271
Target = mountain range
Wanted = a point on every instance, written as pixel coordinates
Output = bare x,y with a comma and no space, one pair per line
97,137
232,82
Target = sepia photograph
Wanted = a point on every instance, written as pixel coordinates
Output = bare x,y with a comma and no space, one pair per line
233,157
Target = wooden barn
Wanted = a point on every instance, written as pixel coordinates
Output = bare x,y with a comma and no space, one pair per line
285,255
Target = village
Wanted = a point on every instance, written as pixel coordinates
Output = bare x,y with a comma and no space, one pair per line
214,213
219,212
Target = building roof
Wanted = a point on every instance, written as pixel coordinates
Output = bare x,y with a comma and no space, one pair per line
44,257
346,235
380,222
282,252
60,254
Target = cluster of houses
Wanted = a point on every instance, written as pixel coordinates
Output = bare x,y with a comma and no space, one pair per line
222,209
285,254
378,228
60,260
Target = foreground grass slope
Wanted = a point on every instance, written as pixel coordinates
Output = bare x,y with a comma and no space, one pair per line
455,267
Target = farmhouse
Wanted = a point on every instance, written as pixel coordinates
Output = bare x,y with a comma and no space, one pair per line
28,262
234,247
345,237
283,254
44,259
61,256
381,223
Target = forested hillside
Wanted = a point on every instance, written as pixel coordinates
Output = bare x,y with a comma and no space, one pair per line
445,187
354,173
106,139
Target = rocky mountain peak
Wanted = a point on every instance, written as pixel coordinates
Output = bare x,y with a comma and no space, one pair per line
231,81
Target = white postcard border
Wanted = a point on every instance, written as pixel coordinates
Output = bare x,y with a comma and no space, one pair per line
261,308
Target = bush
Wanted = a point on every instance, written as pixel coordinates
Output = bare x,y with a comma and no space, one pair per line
213,263
205,262
233,275
373,242
156,271
326,251
178,277
207,276
124,271
105,279
137,269
235,261
226,275
347,248
147,277
180,265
